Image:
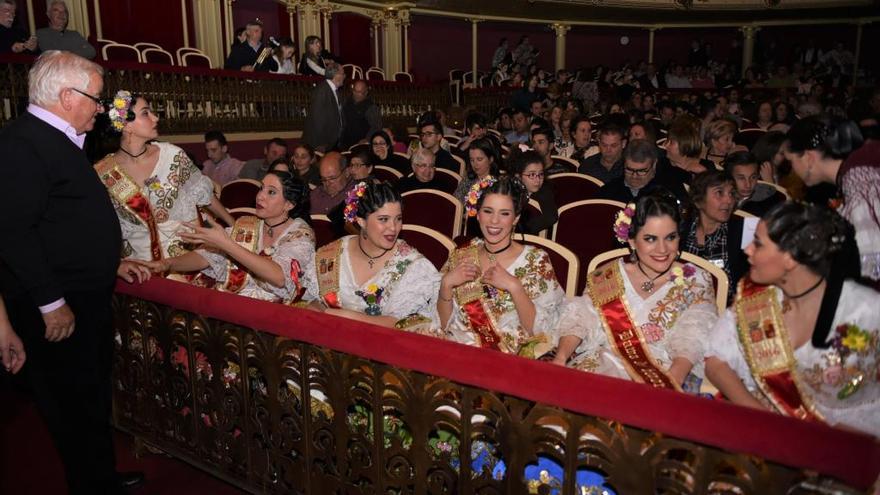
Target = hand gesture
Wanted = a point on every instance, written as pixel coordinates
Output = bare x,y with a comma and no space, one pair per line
767,172
498,277
31,43
213,237
11,349
466,271
158,267
59,323
134,270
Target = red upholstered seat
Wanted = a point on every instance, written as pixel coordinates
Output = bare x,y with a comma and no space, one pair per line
193,59
565,263
386,174
323,230
240,212
432,244
572,187
436,210
241,193
449,179
157,56
571,166
118,52
585,227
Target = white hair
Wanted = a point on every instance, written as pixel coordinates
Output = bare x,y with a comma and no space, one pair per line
52,3
426,155
54,71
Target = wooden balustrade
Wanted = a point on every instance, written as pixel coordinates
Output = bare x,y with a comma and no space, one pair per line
193,100
318,404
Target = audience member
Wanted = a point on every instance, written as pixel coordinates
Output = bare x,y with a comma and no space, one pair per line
528,168
430,138
219,166
246,56
683,148
360,167
751,196
542,144
424,173
255,169
718,141
57,37
285,57
315,60
607,165
304,164
640,176
324,124
484,161
520,132
382,153
335,184
13,38
360,115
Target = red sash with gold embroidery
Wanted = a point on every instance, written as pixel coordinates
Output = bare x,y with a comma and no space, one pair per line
295,274
327,262
470,299
768,350
607,291
128,194
246,233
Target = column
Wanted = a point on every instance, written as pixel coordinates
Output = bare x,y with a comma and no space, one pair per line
230,26
326,11
206,15
651,45
308,18
99,33
858,52
377,20
391,38
185,23
560,30
404,21
475,74
32,25
748,45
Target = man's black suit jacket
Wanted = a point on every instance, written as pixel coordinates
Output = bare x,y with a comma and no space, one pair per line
60,231
323,124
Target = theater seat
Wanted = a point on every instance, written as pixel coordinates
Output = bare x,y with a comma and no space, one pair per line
323,228
570,165
386,174
449,179
240,193
719,278
571,187
436,210
157,56
119,52
240,212
193,59
748,137
585,227
432,244
533,209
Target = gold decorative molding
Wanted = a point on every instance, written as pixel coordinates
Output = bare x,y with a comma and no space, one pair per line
560,29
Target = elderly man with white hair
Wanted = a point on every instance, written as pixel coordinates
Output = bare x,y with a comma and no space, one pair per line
57,37
59,258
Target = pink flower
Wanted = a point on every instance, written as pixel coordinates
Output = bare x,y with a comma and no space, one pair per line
832,375
689,270
652,332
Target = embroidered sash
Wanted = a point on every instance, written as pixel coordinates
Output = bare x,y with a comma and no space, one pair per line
328,263
246,233
768,352
128,194
607,291
296,274
470,299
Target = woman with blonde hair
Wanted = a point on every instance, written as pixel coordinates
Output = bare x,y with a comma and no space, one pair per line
718,141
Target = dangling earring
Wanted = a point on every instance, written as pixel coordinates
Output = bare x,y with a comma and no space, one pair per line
364,233
633,257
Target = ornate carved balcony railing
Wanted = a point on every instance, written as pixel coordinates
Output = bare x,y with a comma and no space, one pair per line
193,100
282,400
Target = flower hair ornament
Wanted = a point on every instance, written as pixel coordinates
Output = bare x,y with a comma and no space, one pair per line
623,222
120,110
352,200
473,196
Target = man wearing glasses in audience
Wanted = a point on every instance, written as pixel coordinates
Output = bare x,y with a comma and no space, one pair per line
430,135
335,183
640,176
424,174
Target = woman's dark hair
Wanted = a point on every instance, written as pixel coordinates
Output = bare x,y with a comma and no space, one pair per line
296,191
810,234
309,41
374,158
107,137
834,138
375,197
658,203
520,160
707,180
506,186
767,146
305,146
485,145
279,161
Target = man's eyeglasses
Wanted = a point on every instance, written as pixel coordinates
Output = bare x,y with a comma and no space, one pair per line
98,101
534,175
638,172
330,179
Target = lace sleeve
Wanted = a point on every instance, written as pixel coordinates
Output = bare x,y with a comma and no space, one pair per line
199,186
723,343
688,334
548,296
218,264
415,292
578,317
295,251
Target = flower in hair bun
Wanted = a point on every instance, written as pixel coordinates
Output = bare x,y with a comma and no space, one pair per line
623,222
120,110
473,196
352,200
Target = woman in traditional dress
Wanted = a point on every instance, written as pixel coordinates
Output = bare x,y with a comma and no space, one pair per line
269,256
497,293
822,149
153,185
801,339
652,303
374,276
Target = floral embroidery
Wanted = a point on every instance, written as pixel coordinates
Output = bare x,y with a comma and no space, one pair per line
687,291
652,332
373,297
849,362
